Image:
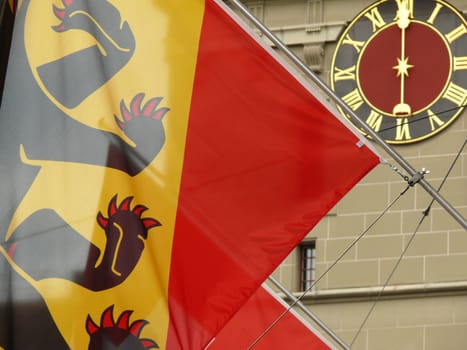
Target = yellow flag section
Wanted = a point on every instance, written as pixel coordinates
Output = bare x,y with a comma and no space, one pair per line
148,65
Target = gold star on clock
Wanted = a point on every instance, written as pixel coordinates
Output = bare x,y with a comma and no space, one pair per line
403,66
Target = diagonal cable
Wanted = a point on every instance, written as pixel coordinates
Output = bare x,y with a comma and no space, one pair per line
271,326
396,265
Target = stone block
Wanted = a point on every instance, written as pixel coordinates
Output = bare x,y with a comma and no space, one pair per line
458,242
449,337
446,268
364,198
335,247
409,270
396,338
427,244
424,311
388,224
353,274
377,247
346,226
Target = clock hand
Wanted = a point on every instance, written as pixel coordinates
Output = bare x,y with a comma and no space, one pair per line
403,21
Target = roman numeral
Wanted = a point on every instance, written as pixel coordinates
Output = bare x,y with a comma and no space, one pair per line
402,129
356,44
456,33
353,99
455,94
435,122
406,3
435,12
374,121
376,19
344,74
460,63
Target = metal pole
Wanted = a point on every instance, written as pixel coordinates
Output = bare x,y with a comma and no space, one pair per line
311,315
305,69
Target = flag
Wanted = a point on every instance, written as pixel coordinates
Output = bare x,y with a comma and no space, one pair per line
253,321
157,164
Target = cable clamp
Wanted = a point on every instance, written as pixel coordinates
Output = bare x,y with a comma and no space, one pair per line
418,176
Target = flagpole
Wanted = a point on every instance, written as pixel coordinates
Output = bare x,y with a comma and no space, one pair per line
417,177
311,315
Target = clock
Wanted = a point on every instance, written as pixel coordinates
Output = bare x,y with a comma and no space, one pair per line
401,66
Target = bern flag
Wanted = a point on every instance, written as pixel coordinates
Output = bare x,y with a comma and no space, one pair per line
157,163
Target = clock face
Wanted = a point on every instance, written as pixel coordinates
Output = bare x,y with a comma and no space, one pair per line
401,66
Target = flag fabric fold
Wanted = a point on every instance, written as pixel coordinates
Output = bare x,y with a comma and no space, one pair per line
158,162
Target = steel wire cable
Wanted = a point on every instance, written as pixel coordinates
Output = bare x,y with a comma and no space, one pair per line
337,260
412,237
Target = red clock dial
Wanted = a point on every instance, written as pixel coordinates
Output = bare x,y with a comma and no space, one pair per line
426,52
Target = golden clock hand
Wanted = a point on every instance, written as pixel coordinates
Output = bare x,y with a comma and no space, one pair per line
403,21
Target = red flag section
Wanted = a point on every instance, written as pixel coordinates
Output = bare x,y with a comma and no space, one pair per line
249,325
264,161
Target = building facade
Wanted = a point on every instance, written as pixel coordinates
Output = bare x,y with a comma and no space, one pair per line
403,285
